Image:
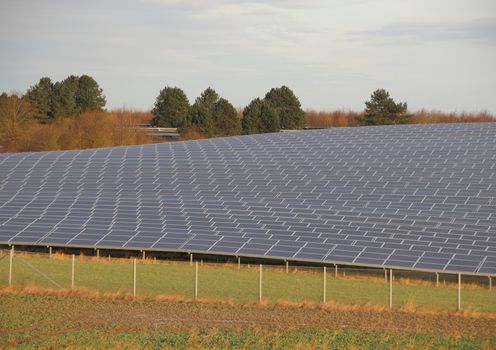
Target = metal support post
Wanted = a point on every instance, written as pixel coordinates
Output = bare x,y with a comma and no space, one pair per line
490,283
260,285
98,254
134,277
459,292
11,257
437,279
335,271
325,285
385,276
391,288
239,263
50,252
72,270
287,266
144,255
196,280
190,259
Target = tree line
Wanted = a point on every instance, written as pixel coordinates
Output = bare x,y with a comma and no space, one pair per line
70,114
70,97
213,115
279,109
67,114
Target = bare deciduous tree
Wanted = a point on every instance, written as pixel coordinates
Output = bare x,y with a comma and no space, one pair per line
15,115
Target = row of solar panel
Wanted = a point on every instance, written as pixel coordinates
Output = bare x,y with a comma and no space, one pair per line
348,254
445,204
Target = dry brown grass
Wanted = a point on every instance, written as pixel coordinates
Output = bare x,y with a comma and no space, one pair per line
330,306
327,119
429,117
88,130
341,118
120,315
192,133
81,292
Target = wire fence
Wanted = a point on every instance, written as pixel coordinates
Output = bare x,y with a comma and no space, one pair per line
245,283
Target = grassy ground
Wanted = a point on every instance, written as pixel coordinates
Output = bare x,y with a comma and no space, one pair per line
33,318
226,282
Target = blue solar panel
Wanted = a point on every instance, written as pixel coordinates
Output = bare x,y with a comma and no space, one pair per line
413,196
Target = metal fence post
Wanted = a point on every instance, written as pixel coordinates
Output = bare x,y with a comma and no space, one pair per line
134,277
325,285
72,270
260,285
391,288
196,280
459,292
11,257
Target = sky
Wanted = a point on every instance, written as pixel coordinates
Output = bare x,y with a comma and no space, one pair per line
437,55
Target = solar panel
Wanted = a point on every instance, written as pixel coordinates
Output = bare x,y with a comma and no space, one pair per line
412,196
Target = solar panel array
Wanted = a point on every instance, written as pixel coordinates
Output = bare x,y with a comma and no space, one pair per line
414,196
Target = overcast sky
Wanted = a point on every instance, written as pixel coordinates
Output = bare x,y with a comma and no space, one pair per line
434,54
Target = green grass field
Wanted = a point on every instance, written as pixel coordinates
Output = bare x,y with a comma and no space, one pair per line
40,319
301,339
226,282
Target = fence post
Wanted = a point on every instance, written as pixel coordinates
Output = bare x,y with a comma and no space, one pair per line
390,288
459,292
134,277
260,285
72,270
196,280
325,284
11,257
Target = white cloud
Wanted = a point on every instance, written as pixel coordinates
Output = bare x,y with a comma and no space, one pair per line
482,30
433,54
